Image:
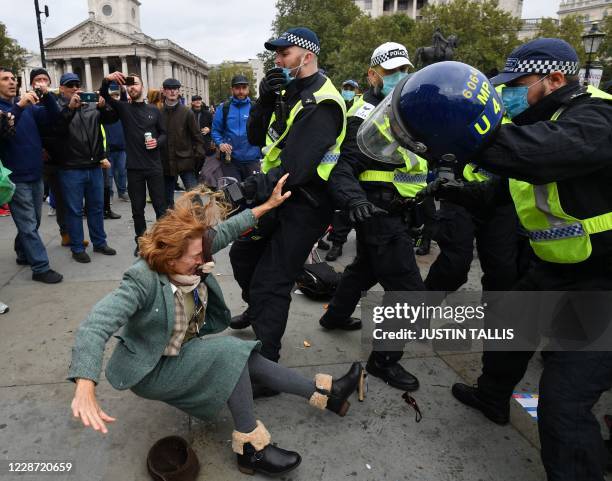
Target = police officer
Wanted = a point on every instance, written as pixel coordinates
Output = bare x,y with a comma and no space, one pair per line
378,196
300,120
556,155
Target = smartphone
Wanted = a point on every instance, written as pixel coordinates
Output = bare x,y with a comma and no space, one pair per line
90,97
129,81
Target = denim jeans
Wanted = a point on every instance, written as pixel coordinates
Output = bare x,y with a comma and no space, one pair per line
26,206
88,184
188,179
118,171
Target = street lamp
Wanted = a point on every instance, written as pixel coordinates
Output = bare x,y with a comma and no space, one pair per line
39,12
591,41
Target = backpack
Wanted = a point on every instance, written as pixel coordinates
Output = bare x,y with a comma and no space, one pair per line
318,281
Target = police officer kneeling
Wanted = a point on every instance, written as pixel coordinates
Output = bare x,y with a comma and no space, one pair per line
378,193
556,162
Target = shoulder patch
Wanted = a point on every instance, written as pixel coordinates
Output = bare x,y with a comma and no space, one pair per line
364,111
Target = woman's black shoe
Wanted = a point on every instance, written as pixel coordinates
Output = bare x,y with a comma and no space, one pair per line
271,460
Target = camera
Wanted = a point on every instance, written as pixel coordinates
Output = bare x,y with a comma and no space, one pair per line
39,93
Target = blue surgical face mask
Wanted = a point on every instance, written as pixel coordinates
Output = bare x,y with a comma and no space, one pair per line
515,99
287,72
348,95
390,81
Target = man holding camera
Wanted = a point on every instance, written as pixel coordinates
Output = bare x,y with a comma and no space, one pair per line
144,135
83,158
22,154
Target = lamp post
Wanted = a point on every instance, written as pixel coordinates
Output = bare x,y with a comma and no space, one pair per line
591,41
39,12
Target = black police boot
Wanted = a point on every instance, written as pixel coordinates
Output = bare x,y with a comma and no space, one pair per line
324,246
424,247
334,252
350,324
241,321
333,394
393,374
497,412
255,454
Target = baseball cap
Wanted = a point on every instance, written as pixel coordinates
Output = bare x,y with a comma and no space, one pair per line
69,77
390,55
171,83
239,80
350,82
539,56
38,71
196,97
300,36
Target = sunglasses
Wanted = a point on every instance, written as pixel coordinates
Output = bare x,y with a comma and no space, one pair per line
72,85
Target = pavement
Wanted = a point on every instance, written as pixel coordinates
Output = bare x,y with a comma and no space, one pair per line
378,439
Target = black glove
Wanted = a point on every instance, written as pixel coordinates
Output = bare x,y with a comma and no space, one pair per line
249,188
362,210
272,83
441,189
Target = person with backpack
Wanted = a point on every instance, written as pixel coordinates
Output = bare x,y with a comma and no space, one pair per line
239,158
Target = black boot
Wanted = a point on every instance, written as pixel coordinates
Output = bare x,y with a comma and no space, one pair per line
497,412
333,394
393,374
242,321
255,454
424,246
350,324
334,252
108,213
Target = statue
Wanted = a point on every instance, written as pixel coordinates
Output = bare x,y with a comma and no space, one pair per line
442,49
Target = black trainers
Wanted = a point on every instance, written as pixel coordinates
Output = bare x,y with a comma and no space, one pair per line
107,251
81,257
47,277
334,252
393,374
470,396
109,214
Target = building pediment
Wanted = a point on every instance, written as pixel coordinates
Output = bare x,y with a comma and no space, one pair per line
90,34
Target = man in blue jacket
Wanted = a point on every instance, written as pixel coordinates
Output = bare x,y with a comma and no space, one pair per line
22,154
240,159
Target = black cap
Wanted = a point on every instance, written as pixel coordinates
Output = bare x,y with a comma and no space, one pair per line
171,83
38,71
196,97
239,80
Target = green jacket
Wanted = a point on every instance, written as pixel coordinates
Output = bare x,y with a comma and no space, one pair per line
143,305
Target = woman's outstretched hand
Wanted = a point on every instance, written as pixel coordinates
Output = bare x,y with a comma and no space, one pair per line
86,408
276,199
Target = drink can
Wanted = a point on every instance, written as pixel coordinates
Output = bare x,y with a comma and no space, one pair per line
148,136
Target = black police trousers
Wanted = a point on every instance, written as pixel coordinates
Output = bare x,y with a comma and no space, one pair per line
392,264
341,227
497,243
266,268
571,382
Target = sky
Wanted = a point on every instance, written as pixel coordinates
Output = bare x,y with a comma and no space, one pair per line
215,30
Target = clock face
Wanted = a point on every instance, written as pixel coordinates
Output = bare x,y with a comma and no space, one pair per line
107,10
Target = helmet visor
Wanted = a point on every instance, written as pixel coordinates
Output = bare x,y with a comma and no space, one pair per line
382,135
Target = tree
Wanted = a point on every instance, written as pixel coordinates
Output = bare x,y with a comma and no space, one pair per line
361,37
12,56
570,29
220,78
487,34
327,18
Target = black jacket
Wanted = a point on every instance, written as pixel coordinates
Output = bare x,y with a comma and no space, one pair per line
575,152
313,132
82,147
184,144
346,190
136,119
204,119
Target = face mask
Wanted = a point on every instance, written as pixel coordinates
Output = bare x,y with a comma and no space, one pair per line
287,72
348,95
390,81
515,98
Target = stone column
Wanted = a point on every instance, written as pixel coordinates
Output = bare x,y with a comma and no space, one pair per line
394,6
150,76
173,69
143,74
414,9
124,67
68,65
105,70
205,94
87,80
58,72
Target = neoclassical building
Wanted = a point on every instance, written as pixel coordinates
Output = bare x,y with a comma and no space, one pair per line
412,8
111,39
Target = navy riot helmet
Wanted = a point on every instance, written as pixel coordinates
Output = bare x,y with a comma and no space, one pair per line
447,111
